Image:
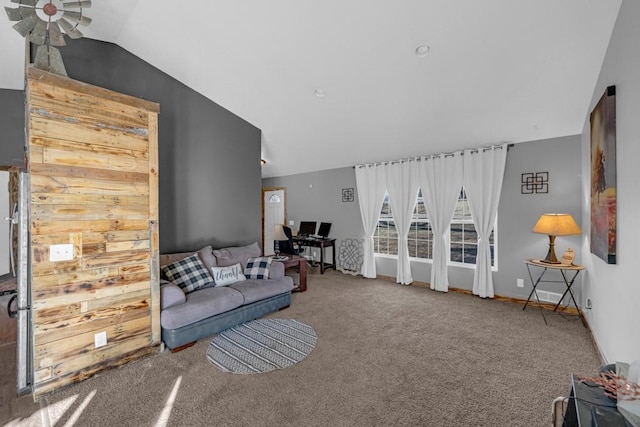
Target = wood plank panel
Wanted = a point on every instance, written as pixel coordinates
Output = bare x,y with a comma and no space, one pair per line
93,160
45,387
46,354
62,328
93,184
100,287
41,169
75,309
87,186
44,227
88,212
60,101
127,246
74,199
80,147
49,80
69,131
43,282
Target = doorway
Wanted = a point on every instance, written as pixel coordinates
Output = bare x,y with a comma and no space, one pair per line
274,212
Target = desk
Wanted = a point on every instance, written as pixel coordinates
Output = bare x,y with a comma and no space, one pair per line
301,263
567,279
588,406
320,243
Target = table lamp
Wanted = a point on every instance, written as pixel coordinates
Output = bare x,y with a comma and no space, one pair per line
555,224
278,234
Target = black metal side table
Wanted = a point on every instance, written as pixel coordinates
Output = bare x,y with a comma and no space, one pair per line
569,274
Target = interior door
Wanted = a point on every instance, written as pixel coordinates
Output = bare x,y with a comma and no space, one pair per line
273,213
5,209
93,229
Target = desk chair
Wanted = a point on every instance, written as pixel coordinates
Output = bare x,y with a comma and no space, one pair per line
288,246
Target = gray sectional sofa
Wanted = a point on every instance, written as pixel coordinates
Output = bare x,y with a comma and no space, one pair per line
189,314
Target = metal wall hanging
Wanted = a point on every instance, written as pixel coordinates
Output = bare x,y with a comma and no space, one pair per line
351,255
347,194
534,182
42,22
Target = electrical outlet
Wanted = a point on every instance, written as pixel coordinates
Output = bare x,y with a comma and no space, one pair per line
314,254
291,222
101,339
588,304
60,252
520,283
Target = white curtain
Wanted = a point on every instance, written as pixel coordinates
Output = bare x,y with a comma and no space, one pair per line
371,184
402,186
440,178
483,174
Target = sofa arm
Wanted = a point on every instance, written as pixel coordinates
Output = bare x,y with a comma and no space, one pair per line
170,295
276,270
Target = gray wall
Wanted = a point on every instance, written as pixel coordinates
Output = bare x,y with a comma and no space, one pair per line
12,125
209,158
614,288
516,216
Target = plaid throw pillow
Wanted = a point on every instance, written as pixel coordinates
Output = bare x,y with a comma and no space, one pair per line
258,267
188,273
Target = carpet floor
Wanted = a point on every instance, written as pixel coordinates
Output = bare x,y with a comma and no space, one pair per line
386,355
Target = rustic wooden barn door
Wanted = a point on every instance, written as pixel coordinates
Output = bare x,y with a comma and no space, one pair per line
93,171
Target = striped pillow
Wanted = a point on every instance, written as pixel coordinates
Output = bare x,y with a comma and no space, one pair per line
189,273
258,267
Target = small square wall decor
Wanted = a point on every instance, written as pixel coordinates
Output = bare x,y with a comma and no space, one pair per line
534,182
347,194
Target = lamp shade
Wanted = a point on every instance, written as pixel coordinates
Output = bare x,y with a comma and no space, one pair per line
556,224
278,233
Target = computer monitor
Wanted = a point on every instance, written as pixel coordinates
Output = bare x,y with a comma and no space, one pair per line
324,229
307,228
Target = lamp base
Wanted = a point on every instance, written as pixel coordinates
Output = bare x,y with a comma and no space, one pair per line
551,255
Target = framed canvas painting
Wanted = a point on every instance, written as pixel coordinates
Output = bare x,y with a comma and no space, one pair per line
603,177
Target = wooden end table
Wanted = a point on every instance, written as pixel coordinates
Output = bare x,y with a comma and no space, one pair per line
301,263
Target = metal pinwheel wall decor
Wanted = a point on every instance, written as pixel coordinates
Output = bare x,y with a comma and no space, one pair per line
44,23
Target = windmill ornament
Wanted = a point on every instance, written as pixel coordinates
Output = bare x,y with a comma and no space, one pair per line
44,23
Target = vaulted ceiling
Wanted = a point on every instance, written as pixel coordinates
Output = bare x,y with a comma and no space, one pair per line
494,71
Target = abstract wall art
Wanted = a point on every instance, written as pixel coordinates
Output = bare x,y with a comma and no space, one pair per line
603,177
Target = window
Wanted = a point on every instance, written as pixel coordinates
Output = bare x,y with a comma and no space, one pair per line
463,238
385,238
420,238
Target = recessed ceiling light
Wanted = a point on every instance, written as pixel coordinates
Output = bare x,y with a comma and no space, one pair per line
319,93
422,50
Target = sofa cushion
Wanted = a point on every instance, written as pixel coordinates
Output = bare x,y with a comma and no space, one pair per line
170,295
201,304
189,273
254,290
205,254
234,255
258,267
207,257
224,276
276,270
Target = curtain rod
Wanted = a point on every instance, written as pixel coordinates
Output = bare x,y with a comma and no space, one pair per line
435,156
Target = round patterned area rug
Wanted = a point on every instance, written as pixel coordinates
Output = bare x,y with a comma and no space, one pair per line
261,346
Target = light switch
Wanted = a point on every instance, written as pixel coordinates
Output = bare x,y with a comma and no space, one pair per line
60,252
100,339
